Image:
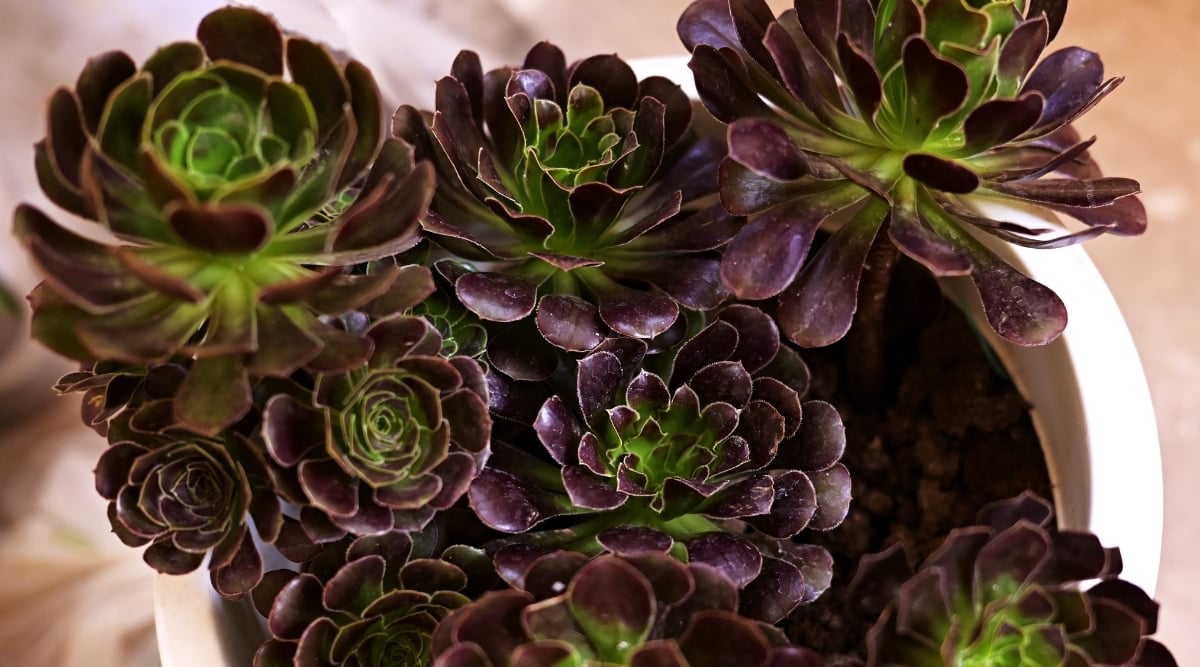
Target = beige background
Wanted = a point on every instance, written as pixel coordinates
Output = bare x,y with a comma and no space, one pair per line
70,595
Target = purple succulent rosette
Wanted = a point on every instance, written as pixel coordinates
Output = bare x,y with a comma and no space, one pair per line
573,190
685,463
372,602
188,496
641,611
239,195
382,447
1007,592
893,121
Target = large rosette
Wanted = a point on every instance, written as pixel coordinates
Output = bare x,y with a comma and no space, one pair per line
238,195
900,122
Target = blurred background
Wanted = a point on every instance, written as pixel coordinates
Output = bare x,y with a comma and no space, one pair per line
71,595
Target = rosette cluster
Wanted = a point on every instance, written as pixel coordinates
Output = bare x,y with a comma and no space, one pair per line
576,190
383,447
639,611
372,602
238,193
1007,592
898,121
685,459
188,497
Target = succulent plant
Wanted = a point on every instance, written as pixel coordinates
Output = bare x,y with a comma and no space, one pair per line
382,447
574,190
373,602
1007,592
239,197
188,497
900,121
682,455
640,611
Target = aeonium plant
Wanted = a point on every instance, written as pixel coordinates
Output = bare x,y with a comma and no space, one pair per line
894,123
1007,592
240,196
502,381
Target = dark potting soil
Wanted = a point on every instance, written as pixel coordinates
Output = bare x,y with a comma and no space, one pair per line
952,435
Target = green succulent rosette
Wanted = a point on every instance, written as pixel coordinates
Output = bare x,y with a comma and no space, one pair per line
371,602
383,447
188,497
575,190
899,125
1007,593
233,172
717,461
647,610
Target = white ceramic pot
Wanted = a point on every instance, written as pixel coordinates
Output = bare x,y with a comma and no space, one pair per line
1091,408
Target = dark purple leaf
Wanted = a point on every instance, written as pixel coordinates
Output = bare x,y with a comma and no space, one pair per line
634,540
915,236
998,122
736,558
764,258
1128,595
1069,79
708,23
861,78
723,381
221,229
794,504
633,312
724,85
766,149
497,297
242,573
1116,635
775,593
937,88
820,21
833,496
1019,308
1022,49
940,173
746,498
587,491
1021,553
1070,192
505,502
762,427
819,306
570,323
610,598
164,557
290,429
1126,216
1055,11
558,430
718,639
245,36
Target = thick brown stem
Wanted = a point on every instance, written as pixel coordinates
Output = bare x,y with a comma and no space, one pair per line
866,359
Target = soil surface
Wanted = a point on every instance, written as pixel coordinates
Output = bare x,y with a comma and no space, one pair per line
952,434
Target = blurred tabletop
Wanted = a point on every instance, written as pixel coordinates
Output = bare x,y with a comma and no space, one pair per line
71,596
